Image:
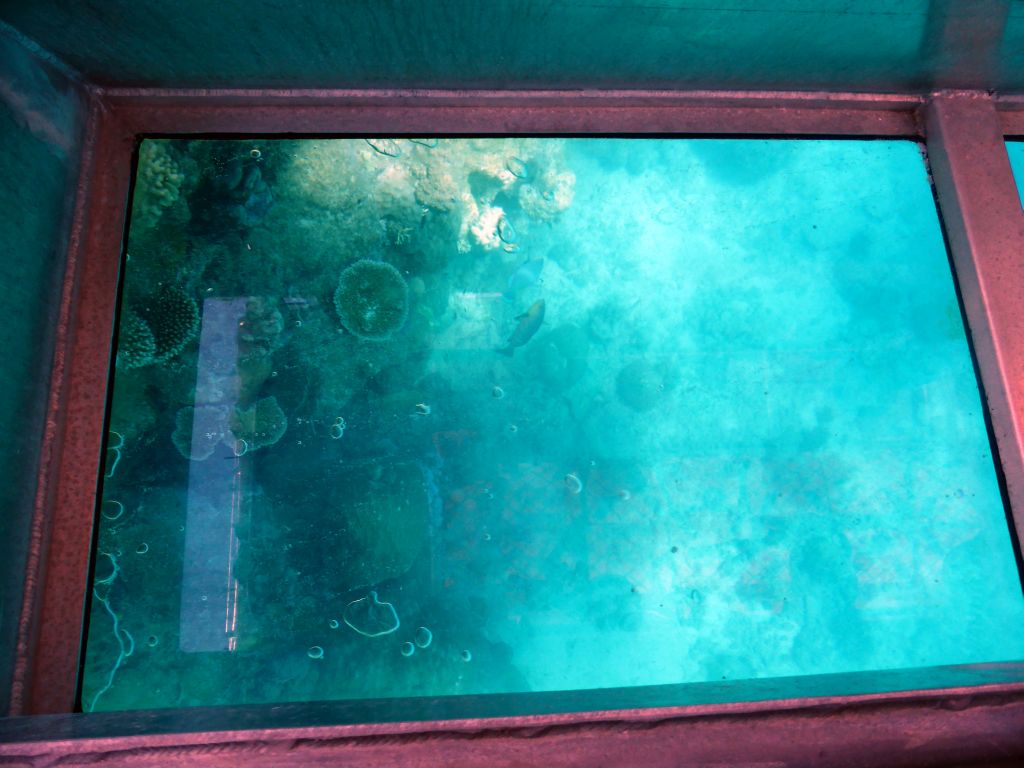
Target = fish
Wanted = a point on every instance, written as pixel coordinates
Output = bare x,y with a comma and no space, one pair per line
529,323
526,275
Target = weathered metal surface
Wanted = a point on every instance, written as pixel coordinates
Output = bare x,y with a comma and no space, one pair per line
42,122
488,112
941,729
50,629
985,225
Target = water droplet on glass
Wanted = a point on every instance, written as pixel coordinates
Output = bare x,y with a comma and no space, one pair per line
424,637
497,393
408,649
333,623
466,656
152,641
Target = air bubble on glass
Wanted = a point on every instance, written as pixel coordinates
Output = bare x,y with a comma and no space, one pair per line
424,637
114,515
315,652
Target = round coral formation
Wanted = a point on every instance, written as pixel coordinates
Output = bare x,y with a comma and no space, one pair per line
136,346
173,319
372,300
641,386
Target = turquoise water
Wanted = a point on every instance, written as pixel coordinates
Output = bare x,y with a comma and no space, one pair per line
406,417
1015,149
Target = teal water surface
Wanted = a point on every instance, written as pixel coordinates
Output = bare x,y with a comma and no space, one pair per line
400,417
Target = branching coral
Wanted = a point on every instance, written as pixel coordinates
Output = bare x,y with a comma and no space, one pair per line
173,318
259,331
158,329
353,193
157,184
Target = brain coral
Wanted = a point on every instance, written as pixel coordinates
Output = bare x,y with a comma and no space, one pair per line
173,319
372,300
136,346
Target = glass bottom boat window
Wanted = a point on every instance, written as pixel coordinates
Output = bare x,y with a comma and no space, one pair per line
400,417
1015,149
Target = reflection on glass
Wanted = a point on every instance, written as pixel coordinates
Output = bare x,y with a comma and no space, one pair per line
401,417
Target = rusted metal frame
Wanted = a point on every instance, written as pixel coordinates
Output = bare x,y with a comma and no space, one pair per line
50,627
323,112
1011,114
939,729
91,283
984,222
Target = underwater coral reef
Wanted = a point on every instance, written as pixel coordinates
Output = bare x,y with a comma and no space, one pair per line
714,448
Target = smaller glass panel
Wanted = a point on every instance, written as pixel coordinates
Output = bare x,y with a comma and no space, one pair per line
399,417
1015,149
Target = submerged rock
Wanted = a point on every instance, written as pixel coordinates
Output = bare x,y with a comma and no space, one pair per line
385,512
560,356
642,386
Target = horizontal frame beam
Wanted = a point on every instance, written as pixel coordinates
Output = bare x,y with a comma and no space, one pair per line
495,112
914,729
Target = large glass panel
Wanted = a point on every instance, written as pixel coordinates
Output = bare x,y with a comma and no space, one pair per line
399,417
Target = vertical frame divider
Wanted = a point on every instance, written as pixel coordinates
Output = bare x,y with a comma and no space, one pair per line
984,222
52,619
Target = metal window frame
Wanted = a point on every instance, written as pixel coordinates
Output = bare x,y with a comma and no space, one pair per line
938,716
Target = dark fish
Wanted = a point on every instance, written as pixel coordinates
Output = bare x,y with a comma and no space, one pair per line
526,275
529,323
